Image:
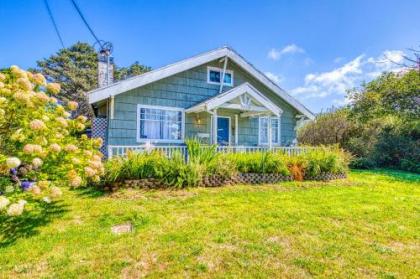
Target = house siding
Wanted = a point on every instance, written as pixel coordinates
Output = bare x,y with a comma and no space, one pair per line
184,90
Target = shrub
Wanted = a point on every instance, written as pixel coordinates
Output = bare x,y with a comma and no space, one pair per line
39,140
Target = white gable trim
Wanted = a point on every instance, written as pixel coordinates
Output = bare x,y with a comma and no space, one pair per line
158,74
223,98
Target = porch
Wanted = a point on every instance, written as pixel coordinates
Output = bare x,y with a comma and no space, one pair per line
226,114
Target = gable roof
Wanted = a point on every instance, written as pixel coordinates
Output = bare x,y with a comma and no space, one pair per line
195,61
233,93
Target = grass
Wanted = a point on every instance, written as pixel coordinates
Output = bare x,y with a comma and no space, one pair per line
365,226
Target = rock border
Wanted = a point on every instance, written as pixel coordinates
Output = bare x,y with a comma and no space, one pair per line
217,181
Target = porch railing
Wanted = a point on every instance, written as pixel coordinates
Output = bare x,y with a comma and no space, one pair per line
122,150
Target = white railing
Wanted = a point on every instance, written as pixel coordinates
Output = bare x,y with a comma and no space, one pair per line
122,150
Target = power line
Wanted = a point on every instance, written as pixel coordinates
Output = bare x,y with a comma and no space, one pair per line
53,22
84,20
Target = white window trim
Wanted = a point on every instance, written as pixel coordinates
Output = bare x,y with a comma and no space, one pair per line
230,127
209,68
278,130
140,140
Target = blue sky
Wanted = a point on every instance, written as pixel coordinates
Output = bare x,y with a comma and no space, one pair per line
313,49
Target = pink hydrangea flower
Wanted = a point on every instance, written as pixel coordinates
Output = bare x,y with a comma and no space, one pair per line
72,105
53,88
37,124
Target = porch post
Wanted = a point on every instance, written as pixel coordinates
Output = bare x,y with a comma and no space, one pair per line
236,130
214,133
111,113
270,132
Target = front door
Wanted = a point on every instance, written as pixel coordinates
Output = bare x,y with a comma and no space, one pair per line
223,126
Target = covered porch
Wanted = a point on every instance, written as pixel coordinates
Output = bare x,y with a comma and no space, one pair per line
227,111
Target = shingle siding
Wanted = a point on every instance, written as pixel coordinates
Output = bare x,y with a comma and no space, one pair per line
184,90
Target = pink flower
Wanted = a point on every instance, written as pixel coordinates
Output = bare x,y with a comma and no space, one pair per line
82,118
37,125
16,209
24,83
56,192
76,181
72,105
63,122
70,148
32,149
53,88
42,97
36,190
39,79
98,142
36,162
43,184
89,171
55,147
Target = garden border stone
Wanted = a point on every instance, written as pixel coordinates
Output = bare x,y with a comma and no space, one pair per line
216,181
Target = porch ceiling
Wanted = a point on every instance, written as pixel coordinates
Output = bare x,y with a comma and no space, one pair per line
244,98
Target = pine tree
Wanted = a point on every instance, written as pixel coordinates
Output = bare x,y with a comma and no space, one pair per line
75,69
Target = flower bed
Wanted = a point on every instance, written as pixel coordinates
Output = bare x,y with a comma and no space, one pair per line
206,167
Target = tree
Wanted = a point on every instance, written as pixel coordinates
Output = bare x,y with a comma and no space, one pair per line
390,94
39,144
133,70
380,127
332,127
75,69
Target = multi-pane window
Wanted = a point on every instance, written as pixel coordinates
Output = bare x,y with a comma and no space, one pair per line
215,75
160,124
263,130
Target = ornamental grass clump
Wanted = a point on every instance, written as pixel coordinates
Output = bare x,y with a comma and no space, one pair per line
40,142
259,162
136,165
332,160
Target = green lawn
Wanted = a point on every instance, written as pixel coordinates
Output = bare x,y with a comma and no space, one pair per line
365,226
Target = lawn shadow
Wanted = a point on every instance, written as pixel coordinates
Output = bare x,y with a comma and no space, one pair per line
89,192
27,225
394,175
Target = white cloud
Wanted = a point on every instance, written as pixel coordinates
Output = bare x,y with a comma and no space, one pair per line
276,54
338,59
275,78
333,84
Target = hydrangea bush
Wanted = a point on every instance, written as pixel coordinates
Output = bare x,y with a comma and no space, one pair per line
41,146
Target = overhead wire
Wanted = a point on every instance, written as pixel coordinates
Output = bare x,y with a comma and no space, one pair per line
54,23
85,22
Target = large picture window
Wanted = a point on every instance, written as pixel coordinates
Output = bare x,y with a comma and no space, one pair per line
263,130
214,75
160,124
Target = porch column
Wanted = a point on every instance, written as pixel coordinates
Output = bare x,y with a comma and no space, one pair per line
214,132
270,132
236,130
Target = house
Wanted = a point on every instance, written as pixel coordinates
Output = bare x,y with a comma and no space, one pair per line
187,99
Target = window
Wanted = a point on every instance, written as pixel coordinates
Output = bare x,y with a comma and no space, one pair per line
263,130
164,124
215,74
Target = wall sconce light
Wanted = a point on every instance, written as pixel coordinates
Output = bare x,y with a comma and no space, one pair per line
198,119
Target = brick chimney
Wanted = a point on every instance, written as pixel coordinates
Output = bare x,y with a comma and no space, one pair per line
105,69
